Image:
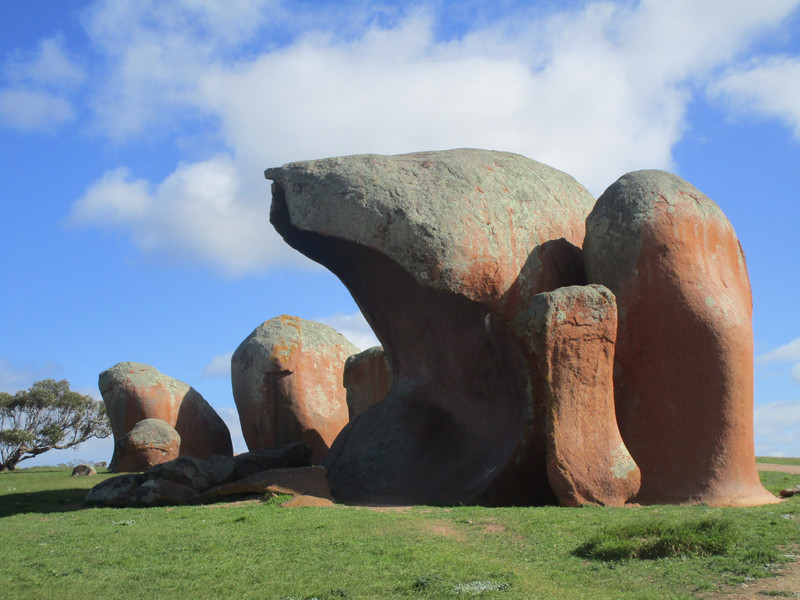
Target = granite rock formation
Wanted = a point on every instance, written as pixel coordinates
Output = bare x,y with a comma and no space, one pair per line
571,333
287,384
367,379
431,245
189,480
133,392
150,442
684,355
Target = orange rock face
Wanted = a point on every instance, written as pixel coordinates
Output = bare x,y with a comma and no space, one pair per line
150,442
287,384
367,379
133,392
572,332
684,357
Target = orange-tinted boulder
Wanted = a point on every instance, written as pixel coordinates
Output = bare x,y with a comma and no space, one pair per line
367,379
150,442
133,392
287,384
684,356
429,245
571,332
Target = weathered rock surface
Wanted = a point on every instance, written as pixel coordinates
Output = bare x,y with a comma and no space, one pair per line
83,471
367,379
133,392
571,332
150,442
287,384
185,479
684,354
115,491
789,492
430,245
299,481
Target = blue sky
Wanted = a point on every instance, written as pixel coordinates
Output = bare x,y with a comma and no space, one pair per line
134,135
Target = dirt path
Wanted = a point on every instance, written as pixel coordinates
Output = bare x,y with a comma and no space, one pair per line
794,469
786,584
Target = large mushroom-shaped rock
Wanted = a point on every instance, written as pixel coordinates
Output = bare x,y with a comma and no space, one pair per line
429,244
133,392
287,384
571,332
150,442
367,379
684,355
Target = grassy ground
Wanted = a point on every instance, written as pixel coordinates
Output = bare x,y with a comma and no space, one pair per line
778,460
55,548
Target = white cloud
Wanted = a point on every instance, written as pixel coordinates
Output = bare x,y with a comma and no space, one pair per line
49,66
30,110
768,87
203,212
596,91
777,428
354,327
787,353
220,366
15,377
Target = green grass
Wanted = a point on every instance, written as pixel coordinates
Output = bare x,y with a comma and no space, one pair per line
259,550
778,460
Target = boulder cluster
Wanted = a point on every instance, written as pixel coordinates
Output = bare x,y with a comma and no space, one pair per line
537,346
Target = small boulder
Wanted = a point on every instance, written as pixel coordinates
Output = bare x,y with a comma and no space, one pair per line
287,384
367,379
83,471
789,492
149,443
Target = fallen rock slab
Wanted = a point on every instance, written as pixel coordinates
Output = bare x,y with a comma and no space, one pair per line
302,481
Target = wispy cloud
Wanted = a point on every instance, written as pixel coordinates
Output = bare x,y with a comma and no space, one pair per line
787,353
15,377
777,428
354,327
768,87
220,366
38,85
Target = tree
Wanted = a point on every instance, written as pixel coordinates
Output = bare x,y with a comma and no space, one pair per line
44,417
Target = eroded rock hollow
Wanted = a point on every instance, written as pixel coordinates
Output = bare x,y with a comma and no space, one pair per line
429,245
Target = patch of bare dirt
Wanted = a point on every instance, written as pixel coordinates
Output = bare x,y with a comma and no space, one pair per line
794,469
785,584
